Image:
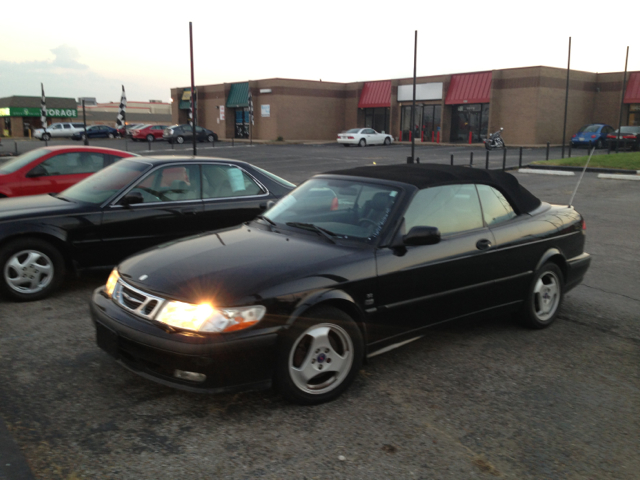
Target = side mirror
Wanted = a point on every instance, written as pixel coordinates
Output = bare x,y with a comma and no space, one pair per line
270,204
131,198
422,236
38,171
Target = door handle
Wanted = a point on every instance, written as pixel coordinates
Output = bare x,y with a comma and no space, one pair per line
189,212
483,244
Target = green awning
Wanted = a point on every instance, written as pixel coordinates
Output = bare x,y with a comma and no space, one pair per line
238,95
184,104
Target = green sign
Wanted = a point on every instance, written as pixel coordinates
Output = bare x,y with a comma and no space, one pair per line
35,112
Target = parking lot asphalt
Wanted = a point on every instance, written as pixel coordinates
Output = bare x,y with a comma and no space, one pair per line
477,399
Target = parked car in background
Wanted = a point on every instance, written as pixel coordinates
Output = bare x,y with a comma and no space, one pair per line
96,131
134,204
58,130
363,137
149,133
351,264
629,138
122,132
132,130
181,133
52,169
594,135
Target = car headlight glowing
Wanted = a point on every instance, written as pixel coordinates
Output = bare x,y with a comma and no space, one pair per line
111,281
206,318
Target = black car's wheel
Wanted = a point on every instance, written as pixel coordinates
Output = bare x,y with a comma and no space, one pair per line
210,138
31,269
319,357
599,144
150,138
545,297
387,141
180,140
46,136
362,143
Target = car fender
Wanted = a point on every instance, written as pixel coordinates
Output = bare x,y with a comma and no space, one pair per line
552,252
11,230
330,297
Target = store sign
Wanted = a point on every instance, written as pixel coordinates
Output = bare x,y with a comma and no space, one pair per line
35,112
265,110
424,91
221,112
60,112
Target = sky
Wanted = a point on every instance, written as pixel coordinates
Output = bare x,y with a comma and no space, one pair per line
91,51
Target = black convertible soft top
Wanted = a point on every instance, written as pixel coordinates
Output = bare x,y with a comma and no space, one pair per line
424,175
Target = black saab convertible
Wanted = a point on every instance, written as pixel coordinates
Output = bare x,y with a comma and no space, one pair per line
349,265
132,205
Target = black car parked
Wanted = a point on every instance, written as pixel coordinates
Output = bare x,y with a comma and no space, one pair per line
349,265
627,137
131,205
96,131
181,133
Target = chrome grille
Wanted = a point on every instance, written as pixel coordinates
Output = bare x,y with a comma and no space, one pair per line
136,301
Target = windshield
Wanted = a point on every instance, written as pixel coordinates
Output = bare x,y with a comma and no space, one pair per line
102,185
20,161
589,129
343,209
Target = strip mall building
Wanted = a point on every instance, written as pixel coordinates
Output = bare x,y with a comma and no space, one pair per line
528,102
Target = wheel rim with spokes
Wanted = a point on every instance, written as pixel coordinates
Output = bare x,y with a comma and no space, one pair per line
28,271
321,358
546,296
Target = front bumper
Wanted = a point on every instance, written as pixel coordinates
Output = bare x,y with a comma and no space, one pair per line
231,362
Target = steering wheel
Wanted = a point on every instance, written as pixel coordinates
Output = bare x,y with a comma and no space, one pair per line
367,220
153,193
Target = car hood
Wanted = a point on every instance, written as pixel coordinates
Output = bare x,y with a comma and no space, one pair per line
34,206
243,265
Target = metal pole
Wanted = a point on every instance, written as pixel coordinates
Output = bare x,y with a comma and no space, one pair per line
520,159
504,158
624,87
193,92
570,149
471,159
547,150
452,159
15,147
413,105
84,121
487,161
566,100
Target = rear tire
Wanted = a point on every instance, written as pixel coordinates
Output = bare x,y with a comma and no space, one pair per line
362,143
319,357
544,298
31,269
599,144
111,135
150,138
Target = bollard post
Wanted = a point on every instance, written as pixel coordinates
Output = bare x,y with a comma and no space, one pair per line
470,137
547,150
417,159
504,158
520,159
487,161
148,145
126,146
438,136
410,132
570,148
471,159
608,148
15,146
452,159
400,136
232,141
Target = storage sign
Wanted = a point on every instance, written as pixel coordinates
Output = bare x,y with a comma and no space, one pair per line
35,112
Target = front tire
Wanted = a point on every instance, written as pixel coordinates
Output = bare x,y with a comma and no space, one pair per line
319,357
362,143
31,269
150,138
545,297
46,136
210,138
180,140
387,141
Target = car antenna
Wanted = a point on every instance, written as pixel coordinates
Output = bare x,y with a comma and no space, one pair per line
581,175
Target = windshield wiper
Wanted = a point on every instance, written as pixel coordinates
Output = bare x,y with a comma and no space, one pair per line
266,219
310,226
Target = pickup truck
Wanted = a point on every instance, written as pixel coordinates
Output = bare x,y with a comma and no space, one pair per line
58,130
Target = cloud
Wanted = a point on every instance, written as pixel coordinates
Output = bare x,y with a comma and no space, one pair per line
66,58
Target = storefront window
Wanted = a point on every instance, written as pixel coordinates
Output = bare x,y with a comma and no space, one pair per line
634,115
426,122
469,120
377,118
242,122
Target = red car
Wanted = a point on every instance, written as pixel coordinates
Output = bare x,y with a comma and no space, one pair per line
149,133
53,169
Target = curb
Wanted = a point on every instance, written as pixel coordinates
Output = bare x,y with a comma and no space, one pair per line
613,176
579,169
541,171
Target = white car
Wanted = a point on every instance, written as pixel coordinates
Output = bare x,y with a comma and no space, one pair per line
363,137
58,130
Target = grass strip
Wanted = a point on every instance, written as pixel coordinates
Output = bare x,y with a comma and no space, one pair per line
626,161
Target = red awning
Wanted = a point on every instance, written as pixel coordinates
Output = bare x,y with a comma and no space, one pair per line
375,94
632,93
469,88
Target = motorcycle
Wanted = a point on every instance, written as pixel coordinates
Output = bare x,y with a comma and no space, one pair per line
495,141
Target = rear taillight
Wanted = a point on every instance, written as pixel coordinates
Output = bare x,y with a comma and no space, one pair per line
593,136
350,138
575,135
583,225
